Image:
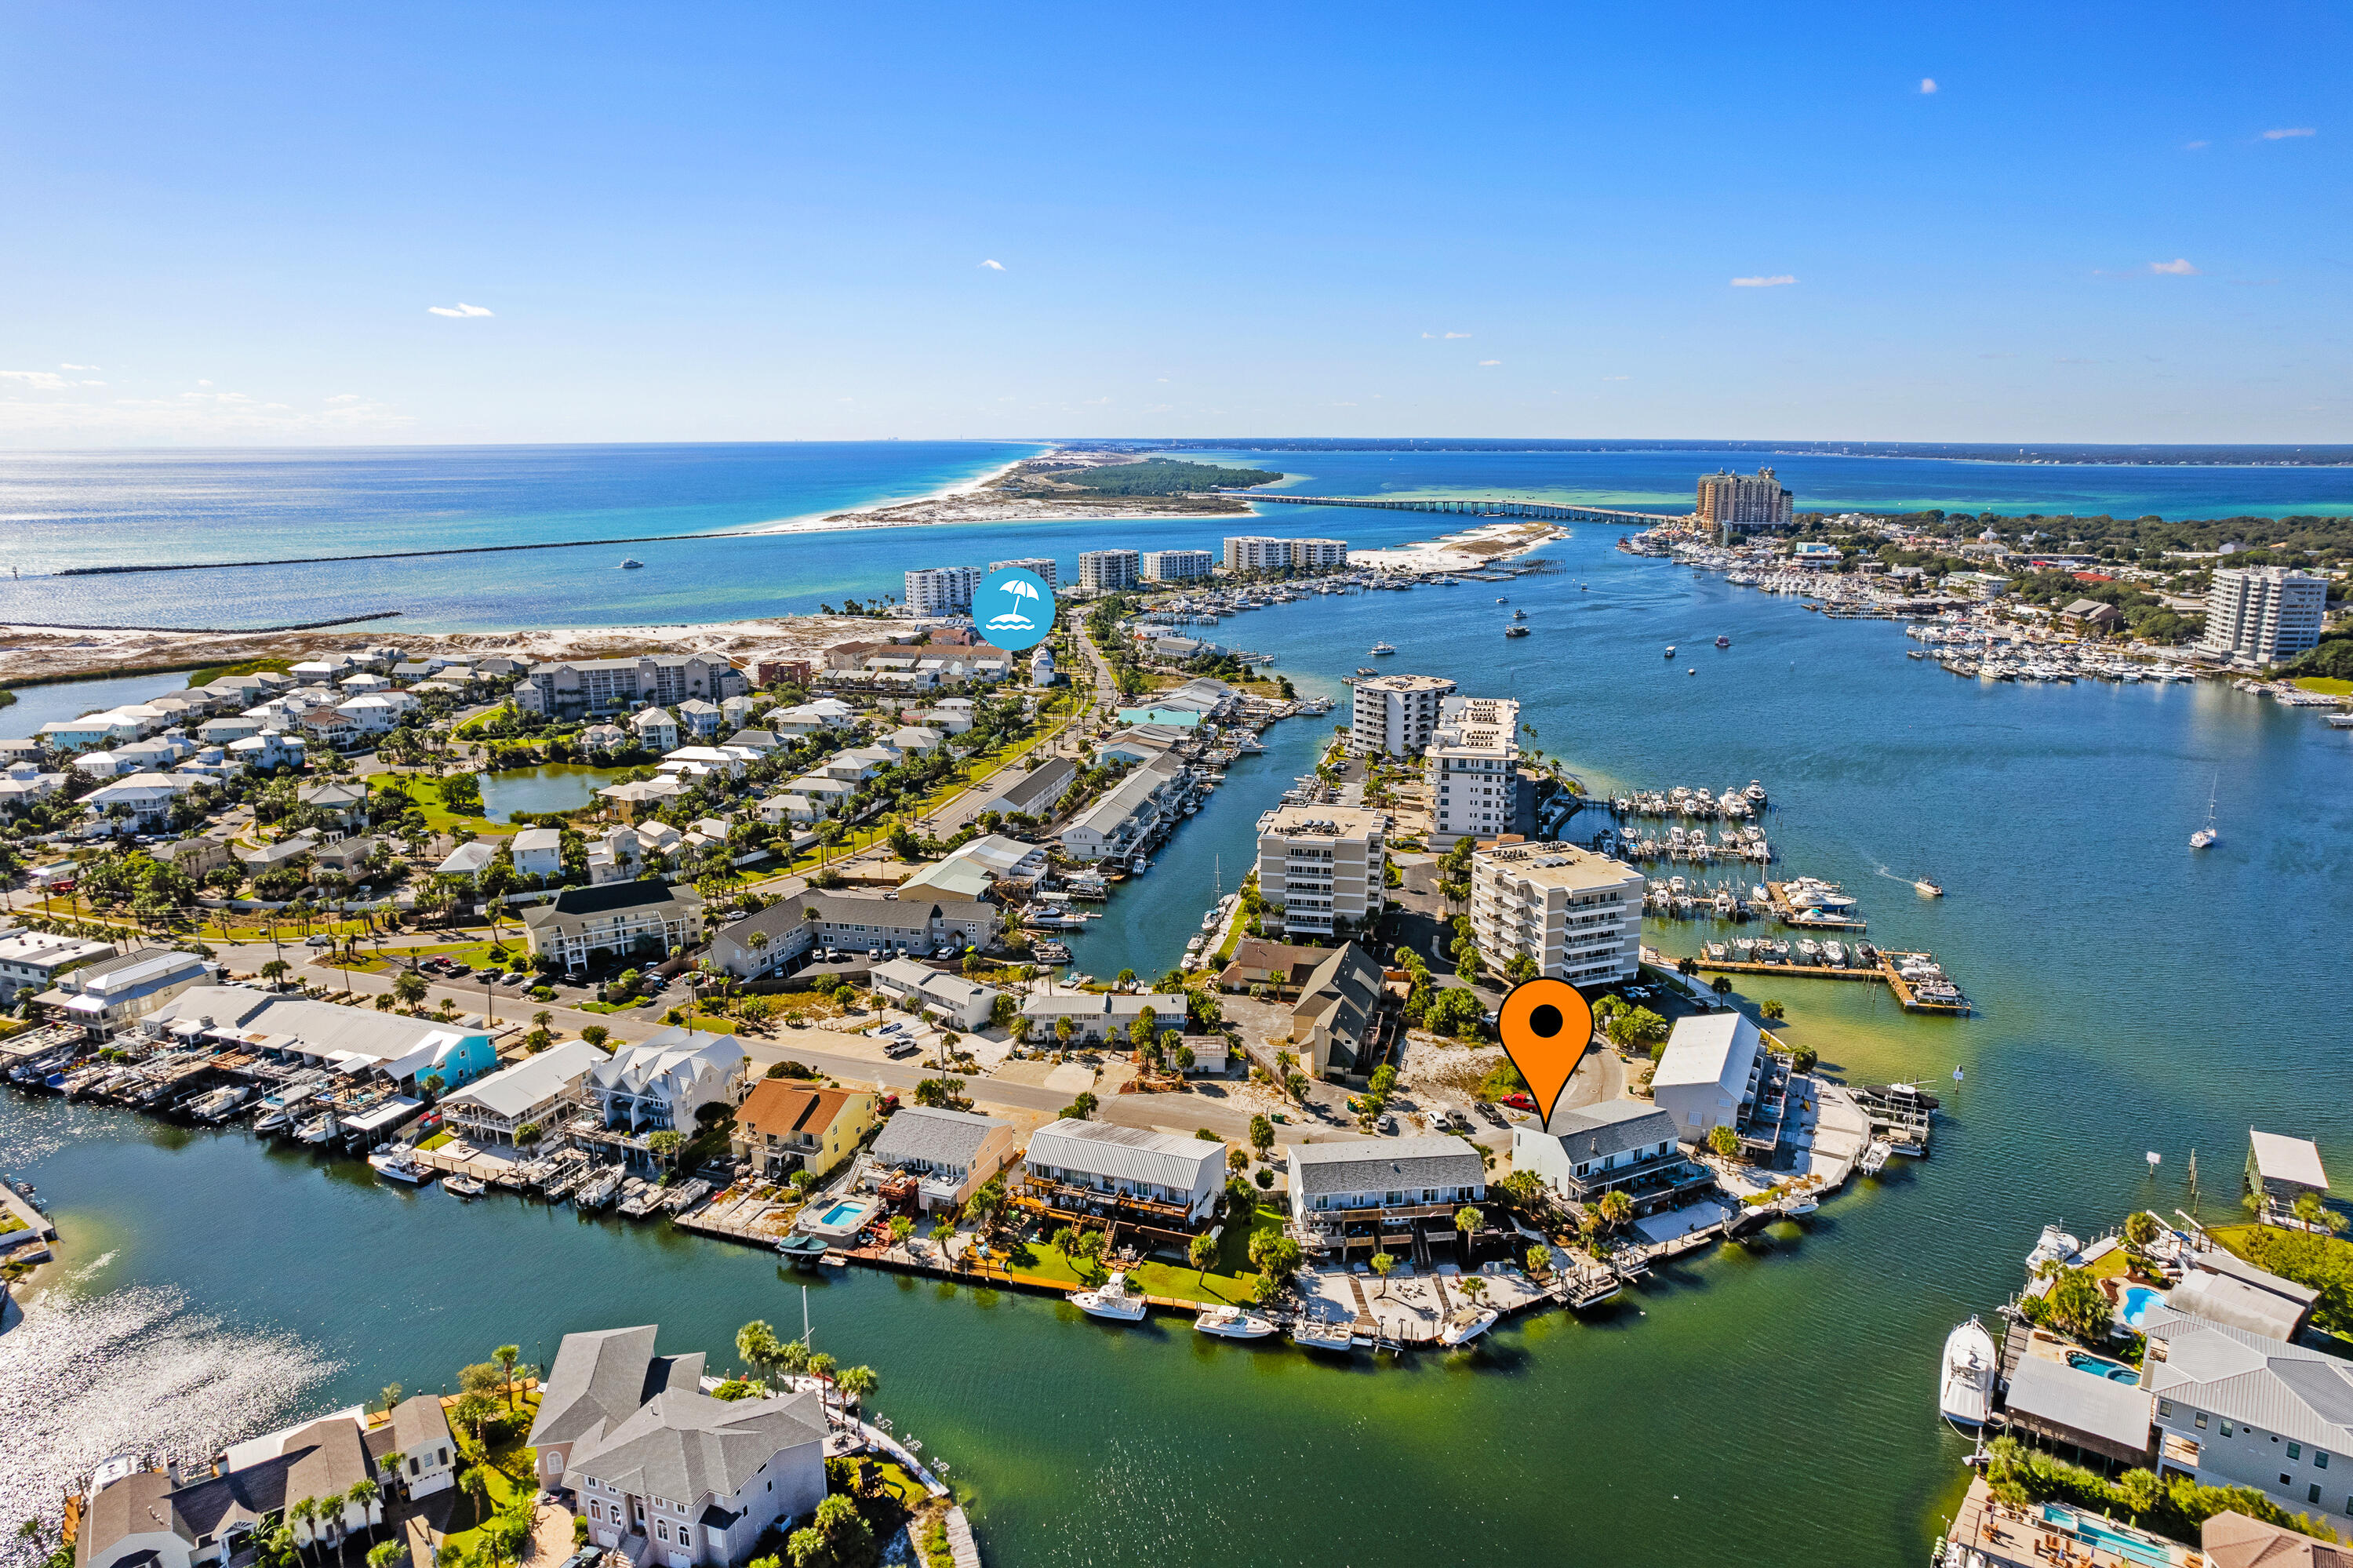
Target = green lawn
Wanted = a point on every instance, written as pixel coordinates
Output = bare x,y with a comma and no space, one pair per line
1229,1280
510,1472
2327,686
437,1140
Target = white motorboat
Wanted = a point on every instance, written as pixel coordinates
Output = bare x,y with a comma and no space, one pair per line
1465,1324
1113,1299
319,1128
221,1104
1382,648
1927,888
2056,1247
464,1186
630,563
1965,1391
1835,952
1324,1333
399,1165
1808,893
1233,1323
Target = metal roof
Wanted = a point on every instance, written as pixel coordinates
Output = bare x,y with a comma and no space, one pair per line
2055,1392
1129,1154
2295,1160
2251,1378
1713,1048
933,1136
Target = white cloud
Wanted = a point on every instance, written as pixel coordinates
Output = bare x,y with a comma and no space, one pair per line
994,266
40,380
2193,147
346,398
463,308
1928,84
1778,280
1487,362
1446,336
80,367
2285,134
1617,378
203,383
230,418
1340,405
93,383
2177,268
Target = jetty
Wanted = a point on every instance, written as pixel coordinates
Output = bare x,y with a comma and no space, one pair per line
1915,991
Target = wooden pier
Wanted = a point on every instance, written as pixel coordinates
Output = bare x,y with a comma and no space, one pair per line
1886,972
1811,919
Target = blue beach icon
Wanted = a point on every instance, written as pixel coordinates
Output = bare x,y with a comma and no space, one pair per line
1014,608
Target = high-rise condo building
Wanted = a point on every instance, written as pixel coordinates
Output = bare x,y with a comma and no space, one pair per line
1107,570
1472,765
1175,566
1395,714
1321,867
942,590
1042,566
1738,504
1319,553
1257,553
1577,913
2260,615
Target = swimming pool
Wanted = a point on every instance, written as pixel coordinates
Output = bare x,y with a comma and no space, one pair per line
2098,1366
840,1220
2090,1528
841,1212
2139,1299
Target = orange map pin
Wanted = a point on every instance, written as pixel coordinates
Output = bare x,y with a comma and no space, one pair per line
1546,1027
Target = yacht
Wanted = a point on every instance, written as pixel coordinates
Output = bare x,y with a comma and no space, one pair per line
1381,647
1808,951
630,563
1834,953
1810,893
1517,614
1755,793
1965,1392
1112,1300
1233,1323
1466,1324
400,1165
1671,651
2056,1247
1500,599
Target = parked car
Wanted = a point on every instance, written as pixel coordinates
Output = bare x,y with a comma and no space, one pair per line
460,970
1388,1123
892,1028
1519,1101
874,955
320,940
898,1049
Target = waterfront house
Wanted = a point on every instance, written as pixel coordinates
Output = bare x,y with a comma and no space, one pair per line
958,1002
418,1431
1621,1145
541,1090
1125,816
639,797
32,960
355,1041
106,996
1096,1016
2237,1408
660,1084
783,1127
602,738
1088,1167
969,872
1377,1193
1708,1075
585,927
2223,1288
688,1480
539,852
2059,1403
656,730
1031,789
597,1380
194,1513
2235,1540
2282,1170
952,1152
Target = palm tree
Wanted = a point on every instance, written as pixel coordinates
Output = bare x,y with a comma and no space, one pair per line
388,1554
858,1382
1381,1264
364,1492
331,1519
1467,1219
302,1513
506,1356
1615,1208
756,1343
1201,1252
820,1367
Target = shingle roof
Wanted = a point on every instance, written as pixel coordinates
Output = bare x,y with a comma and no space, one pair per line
610,897
601,1377
1613,1127
2233,1540
1387,1164
776,1106
939,1136
684,1445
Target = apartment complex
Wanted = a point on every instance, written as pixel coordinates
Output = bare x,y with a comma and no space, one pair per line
578,686
1257,553
2260,615
1396,714
1107,570
942,590
1577,913
1176,565
1039,567
1738,503
1320,867
1472,761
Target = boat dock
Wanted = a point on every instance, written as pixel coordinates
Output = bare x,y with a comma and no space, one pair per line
1790,914
1914,992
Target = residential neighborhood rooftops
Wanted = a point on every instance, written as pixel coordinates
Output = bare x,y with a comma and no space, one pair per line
1365,1165
684,1444
1127,1153
2303,1396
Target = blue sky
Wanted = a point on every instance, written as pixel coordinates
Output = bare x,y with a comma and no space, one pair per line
233,224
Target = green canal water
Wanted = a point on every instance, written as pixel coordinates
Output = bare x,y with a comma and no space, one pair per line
1770,1405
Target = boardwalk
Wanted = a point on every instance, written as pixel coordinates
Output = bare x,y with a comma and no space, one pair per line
1550,511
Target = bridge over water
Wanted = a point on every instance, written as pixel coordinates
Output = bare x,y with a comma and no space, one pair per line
1549,510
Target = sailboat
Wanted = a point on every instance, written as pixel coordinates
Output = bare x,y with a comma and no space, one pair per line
2208,836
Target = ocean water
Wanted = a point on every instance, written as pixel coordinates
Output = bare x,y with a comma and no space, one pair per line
1771,1405
102,509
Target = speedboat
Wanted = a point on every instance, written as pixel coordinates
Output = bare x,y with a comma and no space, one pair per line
1927,889
1324,1333
399,1165
1233,1323
1965,1392
319,1128
630,563
2056,1247
1515,630
1112,1300
464,1186
1465,1324
1723,642
1671,651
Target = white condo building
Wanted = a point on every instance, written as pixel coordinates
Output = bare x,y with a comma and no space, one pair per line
2260,615
942,590
1257,553
1472,763
1319,552
1319,866
1176,565
1396,714
1040,566
1107,570
1577,913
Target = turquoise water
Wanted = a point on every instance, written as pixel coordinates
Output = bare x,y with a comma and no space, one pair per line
2114,1371
2131,996
2139,1299
2089,1528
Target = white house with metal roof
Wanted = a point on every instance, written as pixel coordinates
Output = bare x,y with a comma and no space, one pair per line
1707,1076
1096,1015
2237,1408
537,1089
960,1003
105,996
1134,1163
